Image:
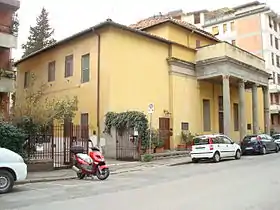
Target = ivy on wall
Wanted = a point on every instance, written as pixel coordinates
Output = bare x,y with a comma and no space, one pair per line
126,120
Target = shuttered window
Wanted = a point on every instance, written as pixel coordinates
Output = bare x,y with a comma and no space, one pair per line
206,115
215,30
85,74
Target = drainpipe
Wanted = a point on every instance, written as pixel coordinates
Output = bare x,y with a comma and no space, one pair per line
98,90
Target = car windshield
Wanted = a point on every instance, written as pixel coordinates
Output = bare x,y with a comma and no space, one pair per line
200,141
277,136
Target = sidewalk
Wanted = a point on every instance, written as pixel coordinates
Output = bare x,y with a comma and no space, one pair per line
116,167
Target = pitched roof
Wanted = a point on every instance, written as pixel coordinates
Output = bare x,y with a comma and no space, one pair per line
90,30
156,20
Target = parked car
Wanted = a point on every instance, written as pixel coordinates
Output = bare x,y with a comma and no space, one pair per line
276,138
259,144
215,147
12,169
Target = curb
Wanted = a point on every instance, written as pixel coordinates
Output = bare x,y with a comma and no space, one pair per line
29,181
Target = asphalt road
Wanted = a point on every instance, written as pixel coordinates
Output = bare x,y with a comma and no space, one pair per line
252,183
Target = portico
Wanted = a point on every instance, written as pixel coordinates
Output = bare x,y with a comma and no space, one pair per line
232,67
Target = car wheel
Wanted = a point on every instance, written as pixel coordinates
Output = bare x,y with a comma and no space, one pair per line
216,157
277,149
194,160
6,181
263,152
238,155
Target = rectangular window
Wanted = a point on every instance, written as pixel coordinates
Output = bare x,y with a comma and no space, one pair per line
233,42
276,43
196,18
232,27
84,125
278,61
271,40
269,21
274,77
206,115
26,79
85,68
276,98
225,28
215,30
275,25
197,44
51,71
184,126
272,59
272,121
278,79
236,117
68,66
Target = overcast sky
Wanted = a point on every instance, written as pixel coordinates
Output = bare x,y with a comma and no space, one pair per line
70,16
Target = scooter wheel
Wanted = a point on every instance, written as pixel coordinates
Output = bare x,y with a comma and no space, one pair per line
81,175
104,174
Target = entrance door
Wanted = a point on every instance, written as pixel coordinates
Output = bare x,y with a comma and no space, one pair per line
164,129
221,115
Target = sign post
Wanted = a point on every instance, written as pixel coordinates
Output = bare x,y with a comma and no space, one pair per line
151,109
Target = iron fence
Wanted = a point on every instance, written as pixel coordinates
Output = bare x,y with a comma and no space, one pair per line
54,143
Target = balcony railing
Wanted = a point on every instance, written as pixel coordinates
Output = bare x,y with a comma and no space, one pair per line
274,108
224,49
13,4
5,29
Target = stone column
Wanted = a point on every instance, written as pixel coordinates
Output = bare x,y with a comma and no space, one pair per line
226,104
255,109
266,109
242,111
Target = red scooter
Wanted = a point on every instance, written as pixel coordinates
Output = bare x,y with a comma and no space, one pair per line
90,165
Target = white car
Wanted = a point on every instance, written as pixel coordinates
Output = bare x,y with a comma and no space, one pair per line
215,147
12,169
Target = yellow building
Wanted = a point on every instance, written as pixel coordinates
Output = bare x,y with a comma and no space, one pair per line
195,81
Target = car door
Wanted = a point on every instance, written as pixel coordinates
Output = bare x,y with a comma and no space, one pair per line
265,141
271,143
221,146
229,146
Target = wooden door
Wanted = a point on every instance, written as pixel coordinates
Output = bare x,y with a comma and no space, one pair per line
164,129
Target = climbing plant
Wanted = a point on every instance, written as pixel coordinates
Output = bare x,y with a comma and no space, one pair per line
125,120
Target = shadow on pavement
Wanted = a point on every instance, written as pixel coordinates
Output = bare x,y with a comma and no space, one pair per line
200,162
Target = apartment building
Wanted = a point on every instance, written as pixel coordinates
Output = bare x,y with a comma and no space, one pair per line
254,27
8,41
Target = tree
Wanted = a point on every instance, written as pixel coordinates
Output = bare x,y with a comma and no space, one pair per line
33,105
41,35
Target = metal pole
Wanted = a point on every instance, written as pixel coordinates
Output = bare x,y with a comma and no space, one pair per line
150,139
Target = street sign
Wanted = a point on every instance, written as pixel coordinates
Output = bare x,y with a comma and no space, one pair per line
151,108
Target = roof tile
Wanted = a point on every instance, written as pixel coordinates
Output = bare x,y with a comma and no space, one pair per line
155,20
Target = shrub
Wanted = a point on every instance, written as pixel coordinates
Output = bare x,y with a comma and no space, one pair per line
11,137
147,158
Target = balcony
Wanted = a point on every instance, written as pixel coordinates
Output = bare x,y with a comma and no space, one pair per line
274,108
7,81
274,88
7,39
226,59
10,4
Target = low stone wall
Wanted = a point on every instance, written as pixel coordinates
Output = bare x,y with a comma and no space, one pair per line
40,165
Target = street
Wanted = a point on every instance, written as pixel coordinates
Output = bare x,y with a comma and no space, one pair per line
251,183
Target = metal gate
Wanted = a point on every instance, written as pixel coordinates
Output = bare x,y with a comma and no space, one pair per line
127,146
64,138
